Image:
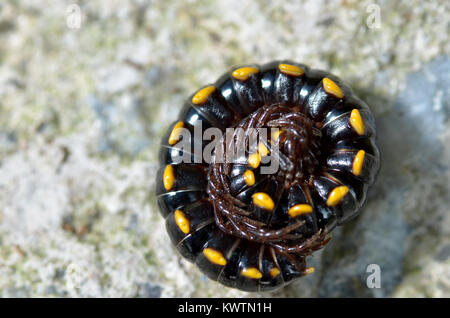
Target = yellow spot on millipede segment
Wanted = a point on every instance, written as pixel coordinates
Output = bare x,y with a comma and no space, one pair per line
251,272
274,272
331,88
292,70
309,270
202,95
300,209
254,159
215,256
276,135
262,149
358,162
249,177
175,134
168,177
337,195
244,73
357,122
263,200
182,221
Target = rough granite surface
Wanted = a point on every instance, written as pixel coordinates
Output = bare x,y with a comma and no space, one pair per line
82,111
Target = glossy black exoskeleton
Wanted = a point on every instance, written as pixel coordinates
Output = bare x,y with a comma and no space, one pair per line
250,230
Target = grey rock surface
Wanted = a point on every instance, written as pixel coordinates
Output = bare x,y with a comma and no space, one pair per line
83,108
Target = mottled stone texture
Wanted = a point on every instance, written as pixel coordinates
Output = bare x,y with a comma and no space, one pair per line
82,111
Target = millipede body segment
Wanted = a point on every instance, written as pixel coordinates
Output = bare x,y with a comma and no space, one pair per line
244,227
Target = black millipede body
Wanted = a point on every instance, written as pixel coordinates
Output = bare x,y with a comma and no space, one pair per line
250,220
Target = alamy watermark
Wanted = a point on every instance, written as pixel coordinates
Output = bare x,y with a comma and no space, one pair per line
73,16
74,277
374,278
236,146
373,20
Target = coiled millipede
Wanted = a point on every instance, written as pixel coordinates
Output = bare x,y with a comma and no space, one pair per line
253,230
